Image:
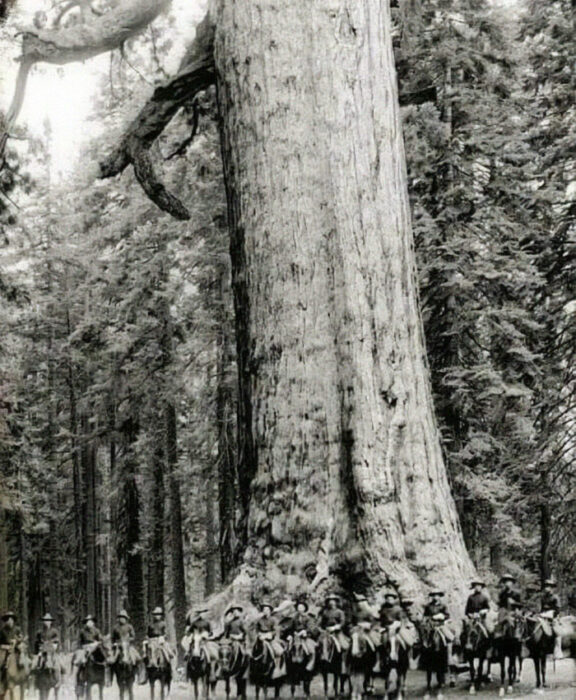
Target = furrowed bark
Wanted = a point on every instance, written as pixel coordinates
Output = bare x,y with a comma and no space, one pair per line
340,453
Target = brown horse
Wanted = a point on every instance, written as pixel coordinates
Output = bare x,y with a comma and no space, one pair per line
48,671
539,642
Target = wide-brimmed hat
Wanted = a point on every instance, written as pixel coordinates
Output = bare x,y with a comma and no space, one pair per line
390,594
266,604
88,617
507,577
407,601
549,582
436,591
123,613
47,618
302,602
158,611
8,614
332,596
233,607
476,582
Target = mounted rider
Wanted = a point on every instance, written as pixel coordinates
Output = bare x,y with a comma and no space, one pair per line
123,636
508,596
436,617
477,608
366,618
234,627
46,645
157,650
267,631
302,625
333,621
198,624
550,610
88,639
10,636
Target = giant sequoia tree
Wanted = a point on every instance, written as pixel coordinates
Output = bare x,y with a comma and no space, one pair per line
340,464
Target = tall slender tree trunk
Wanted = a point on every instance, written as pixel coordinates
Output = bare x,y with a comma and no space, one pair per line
3,558
156,553
131,540
340,464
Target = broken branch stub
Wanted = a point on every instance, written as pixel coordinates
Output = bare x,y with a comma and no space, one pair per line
196,73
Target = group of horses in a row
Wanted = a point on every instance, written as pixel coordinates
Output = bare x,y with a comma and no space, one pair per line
349,669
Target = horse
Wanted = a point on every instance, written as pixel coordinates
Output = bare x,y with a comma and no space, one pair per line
434,657
394,656
539,641
16,670
477,647
508,646
158,667
333,660
92,671
198,666
48,671
262,666
233,664
124,669
363,657
300,662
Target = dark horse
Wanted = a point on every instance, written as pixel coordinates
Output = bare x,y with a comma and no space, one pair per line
262,668
332,660
508,647
363,657
233,664
394,657
124,669
48,672
92,671
300,663
478,647
158,668
539,642
198,667
434,657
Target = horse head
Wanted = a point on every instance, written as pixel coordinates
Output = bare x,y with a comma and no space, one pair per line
196,650
226,656
297,650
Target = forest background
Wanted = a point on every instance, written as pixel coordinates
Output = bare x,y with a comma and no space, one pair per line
118,378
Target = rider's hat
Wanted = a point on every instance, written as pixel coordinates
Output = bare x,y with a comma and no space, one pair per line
88,617
507,577
124,614
549,582
476,582
266,604
436,591
390,594
302,602
407,601
47,618
157,611
234,606
9,614
332,596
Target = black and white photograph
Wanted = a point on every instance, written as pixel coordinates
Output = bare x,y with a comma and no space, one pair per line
287,349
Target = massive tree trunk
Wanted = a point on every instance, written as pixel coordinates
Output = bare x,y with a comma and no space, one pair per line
340,451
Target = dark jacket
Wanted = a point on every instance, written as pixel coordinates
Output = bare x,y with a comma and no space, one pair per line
266,624
506,596
432,609
390,614
331,617
477,602
550,601
45,635
156,629
123,632
234,627
88,636
9,635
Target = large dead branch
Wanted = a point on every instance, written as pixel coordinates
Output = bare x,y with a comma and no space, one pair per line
196,73
99,34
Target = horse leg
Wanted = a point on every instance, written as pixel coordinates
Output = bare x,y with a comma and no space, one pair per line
544,658
511,672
